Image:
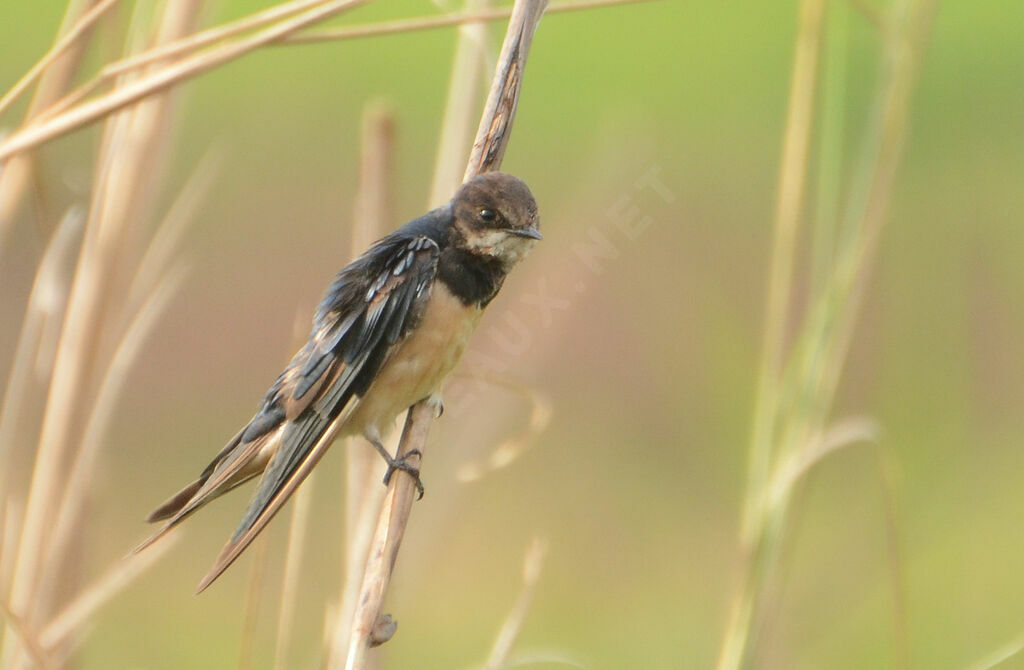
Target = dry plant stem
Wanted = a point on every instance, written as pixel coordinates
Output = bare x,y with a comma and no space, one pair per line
27,637
433,22
298,525
363,492
8,538
129,163
164,244
492,134
512,447
66,41
16,174
388,538
161,79
45,303
532,564
207,37
463,94
792,181
829,326
1001,655
888,473
76,490
732,654
259,19
70,619
84,113
488,149
253,601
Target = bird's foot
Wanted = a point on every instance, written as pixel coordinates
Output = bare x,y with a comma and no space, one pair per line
402,463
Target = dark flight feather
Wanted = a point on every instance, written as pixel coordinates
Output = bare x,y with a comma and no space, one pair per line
387,310
370,307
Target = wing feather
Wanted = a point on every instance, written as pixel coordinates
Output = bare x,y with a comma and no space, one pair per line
356,329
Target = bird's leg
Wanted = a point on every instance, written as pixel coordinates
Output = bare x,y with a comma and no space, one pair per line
400,463
403,464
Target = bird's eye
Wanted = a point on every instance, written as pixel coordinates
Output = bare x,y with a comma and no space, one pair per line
488,215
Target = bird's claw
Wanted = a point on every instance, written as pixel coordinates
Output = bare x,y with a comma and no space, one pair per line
402,463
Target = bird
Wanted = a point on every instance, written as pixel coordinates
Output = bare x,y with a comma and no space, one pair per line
390,328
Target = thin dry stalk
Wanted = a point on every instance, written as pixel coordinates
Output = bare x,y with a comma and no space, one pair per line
298,524
27,637
164,244
432,22
511,448
66,41
762,448
797,403
8,537
463,94
93,597
493,133
129,167
388,538
488,149
77,489
17,174
161,79
363,493
1012,648
212,35
253,601
792,181
532,564
888,472
45,305
208,37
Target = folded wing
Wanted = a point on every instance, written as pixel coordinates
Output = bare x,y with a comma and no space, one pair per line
369,308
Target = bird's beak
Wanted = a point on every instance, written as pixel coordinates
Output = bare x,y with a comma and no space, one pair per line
530,232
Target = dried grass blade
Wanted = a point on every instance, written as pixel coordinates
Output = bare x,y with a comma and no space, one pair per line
433,22
160,79
171,229
84,606
533,562
792,180
463,92
128,165
511,448
83,24
253,601
28,638
1011,649
299,523
16,175
78,486
45,305
209,36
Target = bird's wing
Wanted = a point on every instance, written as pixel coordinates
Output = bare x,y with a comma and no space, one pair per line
370,307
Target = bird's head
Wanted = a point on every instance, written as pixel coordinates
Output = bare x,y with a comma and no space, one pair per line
495,215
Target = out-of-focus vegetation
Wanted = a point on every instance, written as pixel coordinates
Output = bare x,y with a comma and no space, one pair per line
666,115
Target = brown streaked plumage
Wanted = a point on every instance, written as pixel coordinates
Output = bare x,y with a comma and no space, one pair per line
392,326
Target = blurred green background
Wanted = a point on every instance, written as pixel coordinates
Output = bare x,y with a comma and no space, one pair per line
649,357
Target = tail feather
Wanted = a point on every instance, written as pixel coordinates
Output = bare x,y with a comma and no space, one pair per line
173,505
224,473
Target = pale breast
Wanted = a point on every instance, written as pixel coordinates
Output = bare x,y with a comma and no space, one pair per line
420,365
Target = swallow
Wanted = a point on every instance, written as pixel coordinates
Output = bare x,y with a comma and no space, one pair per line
389,330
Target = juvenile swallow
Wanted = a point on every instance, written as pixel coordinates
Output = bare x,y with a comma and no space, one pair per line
390,328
